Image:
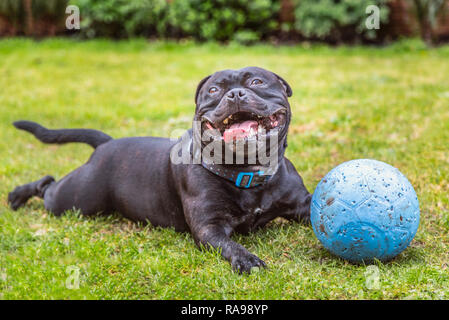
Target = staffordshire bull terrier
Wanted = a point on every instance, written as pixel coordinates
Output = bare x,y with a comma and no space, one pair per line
230,190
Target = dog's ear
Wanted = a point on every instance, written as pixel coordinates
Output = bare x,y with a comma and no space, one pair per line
198,88
287,88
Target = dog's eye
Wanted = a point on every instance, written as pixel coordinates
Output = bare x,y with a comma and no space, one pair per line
256,82
213,90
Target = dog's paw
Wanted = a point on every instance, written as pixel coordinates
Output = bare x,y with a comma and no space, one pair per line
305,219
243,263
18,197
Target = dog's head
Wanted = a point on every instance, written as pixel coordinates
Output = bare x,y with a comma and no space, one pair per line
240,105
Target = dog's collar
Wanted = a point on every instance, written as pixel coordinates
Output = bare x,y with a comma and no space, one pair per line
241,178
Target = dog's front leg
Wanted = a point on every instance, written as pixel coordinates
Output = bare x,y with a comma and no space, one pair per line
218,237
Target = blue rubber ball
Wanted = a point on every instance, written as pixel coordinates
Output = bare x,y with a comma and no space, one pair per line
364,210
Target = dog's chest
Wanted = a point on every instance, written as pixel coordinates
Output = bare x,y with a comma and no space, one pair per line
252,211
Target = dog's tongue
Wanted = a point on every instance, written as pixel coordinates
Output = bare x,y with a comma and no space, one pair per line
239,131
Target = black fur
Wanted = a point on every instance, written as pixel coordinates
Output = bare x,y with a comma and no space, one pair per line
92,137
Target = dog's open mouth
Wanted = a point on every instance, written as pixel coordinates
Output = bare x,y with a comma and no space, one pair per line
246,125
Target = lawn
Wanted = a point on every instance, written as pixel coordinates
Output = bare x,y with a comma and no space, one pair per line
390,104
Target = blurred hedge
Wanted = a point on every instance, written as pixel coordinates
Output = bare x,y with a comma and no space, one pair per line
122,18
337,19
222,20
32,17
244,21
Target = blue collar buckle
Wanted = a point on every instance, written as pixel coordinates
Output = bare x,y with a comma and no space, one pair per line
241,179
244,182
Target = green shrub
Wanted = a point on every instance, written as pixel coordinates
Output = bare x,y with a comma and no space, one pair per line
122,18
246,37
336,19
223,19
241,20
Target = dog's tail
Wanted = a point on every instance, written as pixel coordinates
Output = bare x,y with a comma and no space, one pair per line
60,136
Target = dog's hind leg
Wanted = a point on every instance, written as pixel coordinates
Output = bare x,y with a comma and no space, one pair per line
21,194
84,189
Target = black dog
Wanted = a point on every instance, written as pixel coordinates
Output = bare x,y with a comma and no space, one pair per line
137,177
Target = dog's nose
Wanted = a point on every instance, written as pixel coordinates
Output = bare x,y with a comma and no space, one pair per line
236,93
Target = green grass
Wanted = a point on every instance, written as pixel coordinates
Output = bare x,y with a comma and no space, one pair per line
391,104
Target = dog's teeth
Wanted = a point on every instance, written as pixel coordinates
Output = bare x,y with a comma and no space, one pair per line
252,133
